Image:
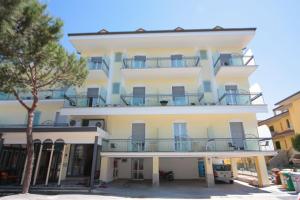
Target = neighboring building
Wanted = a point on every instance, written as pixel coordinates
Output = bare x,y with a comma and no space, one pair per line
154,100
283,127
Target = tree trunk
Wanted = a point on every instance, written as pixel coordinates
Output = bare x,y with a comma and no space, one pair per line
30,153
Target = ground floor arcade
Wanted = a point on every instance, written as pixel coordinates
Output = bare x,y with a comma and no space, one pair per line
185,166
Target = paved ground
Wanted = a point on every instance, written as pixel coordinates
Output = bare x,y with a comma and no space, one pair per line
125,190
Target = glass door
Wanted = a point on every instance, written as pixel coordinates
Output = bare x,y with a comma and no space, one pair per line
138,169
176,60
178,94
138,96
180,137
231,94
138,137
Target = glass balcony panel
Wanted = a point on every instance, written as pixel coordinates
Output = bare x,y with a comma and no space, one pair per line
161,62
186,145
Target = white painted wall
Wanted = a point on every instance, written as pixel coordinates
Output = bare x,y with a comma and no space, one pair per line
125,168
183,168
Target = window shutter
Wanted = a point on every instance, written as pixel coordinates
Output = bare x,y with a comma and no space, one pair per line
118,57
37,117
203,54
116,88
207,86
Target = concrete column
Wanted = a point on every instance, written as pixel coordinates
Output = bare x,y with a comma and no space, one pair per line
155,171
94,162
262,172
37,165
210,180
106,170
61,164
234,167
49,165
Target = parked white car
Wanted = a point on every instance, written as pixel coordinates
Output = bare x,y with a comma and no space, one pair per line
223,173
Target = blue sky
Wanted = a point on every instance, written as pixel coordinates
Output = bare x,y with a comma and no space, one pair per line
275,46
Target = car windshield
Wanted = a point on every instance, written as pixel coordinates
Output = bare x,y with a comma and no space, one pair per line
222,167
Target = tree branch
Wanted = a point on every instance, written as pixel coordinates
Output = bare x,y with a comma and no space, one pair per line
20,100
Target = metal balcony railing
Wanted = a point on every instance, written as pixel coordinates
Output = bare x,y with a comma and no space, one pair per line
101,64
185,145
162,99
233,60
161,62
84,101
241,97
43,95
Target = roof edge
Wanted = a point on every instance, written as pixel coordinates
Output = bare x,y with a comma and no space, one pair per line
292,95
162,31
263,122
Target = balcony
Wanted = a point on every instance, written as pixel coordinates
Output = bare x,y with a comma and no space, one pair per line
43,95
189,99
98,68
161,67
234,65
187,145
82,101
240,97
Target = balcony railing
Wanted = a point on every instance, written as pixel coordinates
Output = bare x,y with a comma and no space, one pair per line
43,95
161,62
101,64
84,101
163,99
233,60
241,98
185,145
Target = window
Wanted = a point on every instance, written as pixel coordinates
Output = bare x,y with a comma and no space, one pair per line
36,118
288,124
277,145
116,88
271,128
118,57
203,54
207,86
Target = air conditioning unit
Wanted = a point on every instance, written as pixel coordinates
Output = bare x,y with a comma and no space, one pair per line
100,123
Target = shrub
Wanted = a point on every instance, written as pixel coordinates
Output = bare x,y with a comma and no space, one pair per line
296,142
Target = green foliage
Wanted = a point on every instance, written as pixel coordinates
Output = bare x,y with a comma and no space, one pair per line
31,57
296,142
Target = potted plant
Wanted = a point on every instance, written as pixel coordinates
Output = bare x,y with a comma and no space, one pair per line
163,102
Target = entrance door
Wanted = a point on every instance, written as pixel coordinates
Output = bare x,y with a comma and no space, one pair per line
80,160
138,96
178,94
201,168
138,169
237,134
138,136
231,97
180,137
